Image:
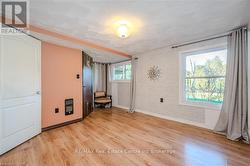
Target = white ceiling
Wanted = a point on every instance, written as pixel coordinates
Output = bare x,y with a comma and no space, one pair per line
158,23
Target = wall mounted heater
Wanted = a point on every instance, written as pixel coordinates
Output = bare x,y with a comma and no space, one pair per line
69,106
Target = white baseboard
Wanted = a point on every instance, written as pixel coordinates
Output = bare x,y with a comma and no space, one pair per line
202,125
120,106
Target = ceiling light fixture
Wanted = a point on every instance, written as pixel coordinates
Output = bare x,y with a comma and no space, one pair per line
123,28
123,31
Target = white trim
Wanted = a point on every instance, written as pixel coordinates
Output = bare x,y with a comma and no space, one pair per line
206,125
201,48
122,63
121,81
202,125
120,106
182,67
201,105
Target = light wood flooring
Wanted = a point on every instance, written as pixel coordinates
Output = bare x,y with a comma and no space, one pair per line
114,137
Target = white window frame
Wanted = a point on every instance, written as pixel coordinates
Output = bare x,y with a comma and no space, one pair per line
182,75
112,71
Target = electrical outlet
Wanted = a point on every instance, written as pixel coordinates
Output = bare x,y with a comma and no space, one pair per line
161,100
56,110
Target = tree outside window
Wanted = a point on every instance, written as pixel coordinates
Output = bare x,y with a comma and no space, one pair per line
122,72
204,80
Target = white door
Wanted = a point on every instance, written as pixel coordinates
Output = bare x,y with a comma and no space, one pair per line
20,103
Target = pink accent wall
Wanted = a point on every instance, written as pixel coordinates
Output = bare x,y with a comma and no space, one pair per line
60,65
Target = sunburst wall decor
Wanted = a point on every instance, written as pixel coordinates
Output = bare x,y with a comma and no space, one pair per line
154,73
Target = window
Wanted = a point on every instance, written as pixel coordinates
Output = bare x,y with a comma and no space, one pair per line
203,77
121,71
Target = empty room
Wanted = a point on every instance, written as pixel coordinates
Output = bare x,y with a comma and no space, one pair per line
124,82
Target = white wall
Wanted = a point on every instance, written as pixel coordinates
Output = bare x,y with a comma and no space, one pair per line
121,94
149,92
249,78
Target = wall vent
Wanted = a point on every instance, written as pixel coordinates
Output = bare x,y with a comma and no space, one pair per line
69,106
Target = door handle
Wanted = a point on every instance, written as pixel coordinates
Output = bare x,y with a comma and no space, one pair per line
38,92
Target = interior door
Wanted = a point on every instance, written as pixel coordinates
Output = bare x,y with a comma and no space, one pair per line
20,105
87,85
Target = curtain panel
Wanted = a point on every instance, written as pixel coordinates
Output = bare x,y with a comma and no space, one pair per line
100,76
233,119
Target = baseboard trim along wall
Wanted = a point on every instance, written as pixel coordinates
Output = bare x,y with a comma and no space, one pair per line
173,119
202,125
62,124
120,106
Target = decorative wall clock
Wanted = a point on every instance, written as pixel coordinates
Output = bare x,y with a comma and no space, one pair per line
154,73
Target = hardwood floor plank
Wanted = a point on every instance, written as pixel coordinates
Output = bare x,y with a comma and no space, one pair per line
115,137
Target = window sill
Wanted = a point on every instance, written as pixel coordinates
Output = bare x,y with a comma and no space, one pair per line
201,105
121,81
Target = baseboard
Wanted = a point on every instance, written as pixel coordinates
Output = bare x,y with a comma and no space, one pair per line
173,119
62,124
202,125
120,106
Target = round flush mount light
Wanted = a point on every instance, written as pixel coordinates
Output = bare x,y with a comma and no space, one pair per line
123,31
123,28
